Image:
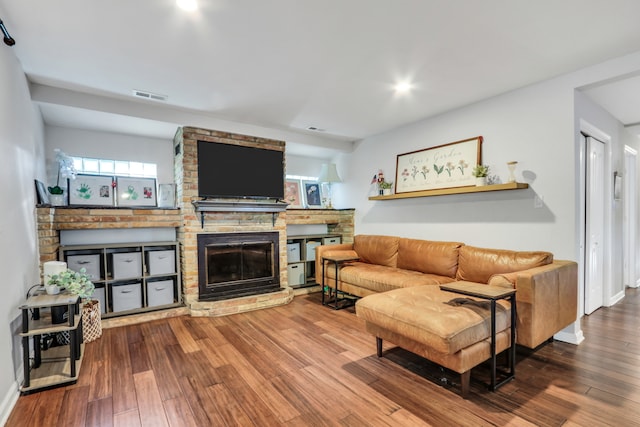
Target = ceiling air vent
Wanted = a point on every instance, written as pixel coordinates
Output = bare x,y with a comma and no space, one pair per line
315,129
149,95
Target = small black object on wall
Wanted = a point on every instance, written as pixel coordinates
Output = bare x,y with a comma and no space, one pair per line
8,40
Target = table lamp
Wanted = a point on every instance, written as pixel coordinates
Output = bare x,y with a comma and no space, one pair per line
329,175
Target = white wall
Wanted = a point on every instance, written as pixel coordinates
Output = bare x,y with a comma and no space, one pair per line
304,166
533,126
105,145
21,145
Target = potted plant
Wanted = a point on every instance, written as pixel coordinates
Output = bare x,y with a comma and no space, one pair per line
76,282
480,172
385,187
66,169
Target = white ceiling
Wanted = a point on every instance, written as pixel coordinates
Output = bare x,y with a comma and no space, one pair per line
290,64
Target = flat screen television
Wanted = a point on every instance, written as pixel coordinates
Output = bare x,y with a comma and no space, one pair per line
226,170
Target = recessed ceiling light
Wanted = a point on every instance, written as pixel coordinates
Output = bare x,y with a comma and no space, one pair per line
188,5
403,87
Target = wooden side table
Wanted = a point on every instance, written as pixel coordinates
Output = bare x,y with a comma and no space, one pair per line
57,365
493,294
338,261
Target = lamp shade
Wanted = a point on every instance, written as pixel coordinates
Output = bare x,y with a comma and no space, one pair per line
328,173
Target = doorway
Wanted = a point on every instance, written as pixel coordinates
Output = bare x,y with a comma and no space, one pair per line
630,213
594,223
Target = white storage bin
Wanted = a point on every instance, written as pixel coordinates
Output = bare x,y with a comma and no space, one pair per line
127,265
296,274
159,292
331,241
99,294
126,297
293,252
311,250
91,263
161,262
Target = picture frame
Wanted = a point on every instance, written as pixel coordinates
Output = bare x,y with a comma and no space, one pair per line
312,194
292,194
443,166
91,190
166,195
41,193
137,192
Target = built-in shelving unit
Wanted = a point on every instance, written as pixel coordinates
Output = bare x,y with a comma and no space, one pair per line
458,190
130,277
301,257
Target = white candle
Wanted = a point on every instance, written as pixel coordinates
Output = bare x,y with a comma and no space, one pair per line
53,267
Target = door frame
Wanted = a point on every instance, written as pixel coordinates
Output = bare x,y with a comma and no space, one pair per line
586,129
630,213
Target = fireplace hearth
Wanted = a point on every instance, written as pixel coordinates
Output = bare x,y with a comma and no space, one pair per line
232,265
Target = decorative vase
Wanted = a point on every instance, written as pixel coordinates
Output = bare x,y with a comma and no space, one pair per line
481,180
56,199
386,192
52,289
512,171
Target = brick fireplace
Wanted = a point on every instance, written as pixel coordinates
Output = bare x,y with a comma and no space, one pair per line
246,218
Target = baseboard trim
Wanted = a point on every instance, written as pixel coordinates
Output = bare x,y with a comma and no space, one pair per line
8,402
571,338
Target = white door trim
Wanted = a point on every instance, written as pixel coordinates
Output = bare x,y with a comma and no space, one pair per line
630,214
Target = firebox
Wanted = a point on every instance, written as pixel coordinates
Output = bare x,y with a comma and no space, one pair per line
232,265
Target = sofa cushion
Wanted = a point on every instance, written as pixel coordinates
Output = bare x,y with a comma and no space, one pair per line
426,256
423,314
479,264
381,250
381,279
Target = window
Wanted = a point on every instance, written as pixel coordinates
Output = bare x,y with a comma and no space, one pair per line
91,166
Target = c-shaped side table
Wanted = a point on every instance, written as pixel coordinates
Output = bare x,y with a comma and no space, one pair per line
338,261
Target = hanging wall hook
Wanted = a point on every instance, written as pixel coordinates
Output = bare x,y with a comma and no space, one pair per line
8,40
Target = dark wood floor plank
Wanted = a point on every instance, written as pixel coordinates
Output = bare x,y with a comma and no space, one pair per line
123,397
181,333
73,410
100,413
165,377
256,409
149,403
304,364
100,374
179,413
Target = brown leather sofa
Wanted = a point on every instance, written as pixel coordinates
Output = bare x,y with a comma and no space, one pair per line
546,298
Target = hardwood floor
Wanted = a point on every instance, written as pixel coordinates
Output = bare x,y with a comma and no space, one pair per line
307,365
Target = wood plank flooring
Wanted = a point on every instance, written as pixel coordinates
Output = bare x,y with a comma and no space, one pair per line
306,365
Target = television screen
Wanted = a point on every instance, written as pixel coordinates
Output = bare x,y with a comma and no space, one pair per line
226,170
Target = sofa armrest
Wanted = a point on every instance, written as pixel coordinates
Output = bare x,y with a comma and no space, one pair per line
547,301
334,249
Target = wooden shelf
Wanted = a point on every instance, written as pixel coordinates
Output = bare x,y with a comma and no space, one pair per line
55,369
458,190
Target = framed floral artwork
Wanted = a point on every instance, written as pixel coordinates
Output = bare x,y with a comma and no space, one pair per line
136,191
90,190
292,194
312,194
444,166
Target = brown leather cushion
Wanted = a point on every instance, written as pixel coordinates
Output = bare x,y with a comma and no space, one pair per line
381,279
426,256
422,314
479,264
381,250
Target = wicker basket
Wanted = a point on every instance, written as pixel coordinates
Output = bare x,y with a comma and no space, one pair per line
91,321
